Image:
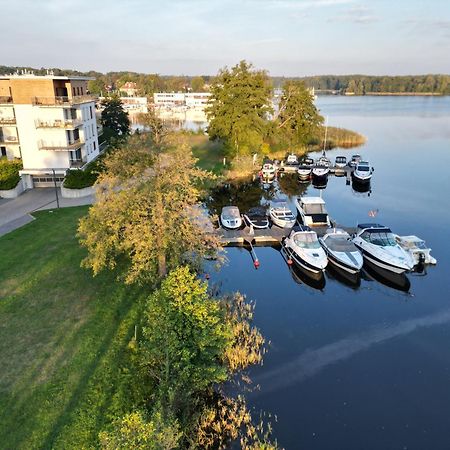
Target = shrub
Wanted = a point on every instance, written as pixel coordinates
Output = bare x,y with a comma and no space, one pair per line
9,173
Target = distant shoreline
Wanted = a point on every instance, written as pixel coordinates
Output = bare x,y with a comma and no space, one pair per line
392,94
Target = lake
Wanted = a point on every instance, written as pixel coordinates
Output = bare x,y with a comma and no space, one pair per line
368,366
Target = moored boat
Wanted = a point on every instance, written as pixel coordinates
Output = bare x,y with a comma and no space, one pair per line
312,211
341,251
303,248
281,215
230,217
379,247
417,248
363,172
256,217
305,168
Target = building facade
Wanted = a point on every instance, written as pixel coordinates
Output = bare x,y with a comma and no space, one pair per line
48,121
190,100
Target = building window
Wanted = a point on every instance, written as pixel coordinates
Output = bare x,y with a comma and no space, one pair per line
95,146
90,109
3,151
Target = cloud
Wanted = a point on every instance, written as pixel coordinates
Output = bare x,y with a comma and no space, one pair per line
441,27
358,14
313,361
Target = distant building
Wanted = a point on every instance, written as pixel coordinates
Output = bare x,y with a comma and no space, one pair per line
190,100
197,99
129,89
48,121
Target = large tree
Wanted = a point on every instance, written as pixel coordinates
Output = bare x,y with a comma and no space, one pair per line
239,108
298,118
156,126
114,118
146,219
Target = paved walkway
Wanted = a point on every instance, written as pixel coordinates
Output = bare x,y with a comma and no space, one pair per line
16,212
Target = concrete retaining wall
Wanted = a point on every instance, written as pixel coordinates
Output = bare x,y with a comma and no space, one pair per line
76,193
13,193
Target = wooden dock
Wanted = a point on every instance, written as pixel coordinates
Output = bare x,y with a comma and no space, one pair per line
265,237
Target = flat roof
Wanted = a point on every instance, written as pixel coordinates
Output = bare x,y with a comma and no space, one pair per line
30,76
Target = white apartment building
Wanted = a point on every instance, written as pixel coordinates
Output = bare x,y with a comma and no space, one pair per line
168,98
191,99
48,121
197,99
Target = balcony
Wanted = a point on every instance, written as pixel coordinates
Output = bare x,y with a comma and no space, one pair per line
63,100
77,163
6,100
7,120
63,124
60,146
9,140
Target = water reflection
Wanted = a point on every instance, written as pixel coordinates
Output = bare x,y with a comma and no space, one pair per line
393,280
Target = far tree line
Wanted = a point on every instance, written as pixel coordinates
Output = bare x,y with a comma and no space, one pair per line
147,84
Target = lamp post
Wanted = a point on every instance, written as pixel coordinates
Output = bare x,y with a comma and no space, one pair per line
56,188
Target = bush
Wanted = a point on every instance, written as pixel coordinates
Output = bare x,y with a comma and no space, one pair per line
9,173
79,179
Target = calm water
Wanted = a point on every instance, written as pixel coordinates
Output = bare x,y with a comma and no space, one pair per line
363,367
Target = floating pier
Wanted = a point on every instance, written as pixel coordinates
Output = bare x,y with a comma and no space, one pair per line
266,237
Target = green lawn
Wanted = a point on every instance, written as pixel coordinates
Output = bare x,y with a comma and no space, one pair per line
209,154
63,338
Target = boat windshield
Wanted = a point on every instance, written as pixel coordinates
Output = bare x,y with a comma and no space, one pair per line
363,168
306,240
381,238
314,208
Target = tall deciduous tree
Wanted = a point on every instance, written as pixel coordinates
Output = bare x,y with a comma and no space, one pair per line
239,107
146,220
198,84
157,128
114,119
298,118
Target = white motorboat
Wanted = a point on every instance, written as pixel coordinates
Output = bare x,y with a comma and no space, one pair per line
312,211
417,248
363,172
303,247
355,160
340,162
268,169
305,168
256,217
341,251
281,214
230,217
291,160
379,247
321,169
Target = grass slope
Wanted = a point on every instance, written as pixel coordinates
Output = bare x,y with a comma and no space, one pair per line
63,338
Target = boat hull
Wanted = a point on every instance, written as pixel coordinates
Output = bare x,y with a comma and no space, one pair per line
375,261
342,265
302,264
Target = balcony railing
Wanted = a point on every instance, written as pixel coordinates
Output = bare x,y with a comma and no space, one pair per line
4,99
69,123
9,140
7,120
60,146
77,163
63,100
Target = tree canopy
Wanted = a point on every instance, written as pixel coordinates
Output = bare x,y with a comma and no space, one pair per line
146,219
114,118
239,108
298,118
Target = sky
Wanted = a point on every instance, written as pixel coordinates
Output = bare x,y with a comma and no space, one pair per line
192,37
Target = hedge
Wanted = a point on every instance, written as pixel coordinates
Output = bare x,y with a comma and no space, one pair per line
79,179
9,173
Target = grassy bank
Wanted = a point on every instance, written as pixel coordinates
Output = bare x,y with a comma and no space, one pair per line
210,154
63,338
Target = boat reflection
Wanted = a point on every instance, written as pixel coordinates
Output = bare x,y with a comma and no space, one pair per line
386,277
344,277
361,188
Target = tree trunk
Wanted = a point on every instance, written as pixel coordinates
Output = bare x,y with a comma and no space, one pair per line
162,267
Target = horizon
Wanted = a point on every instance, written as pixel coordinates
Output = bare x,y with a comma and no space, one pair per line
288,38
